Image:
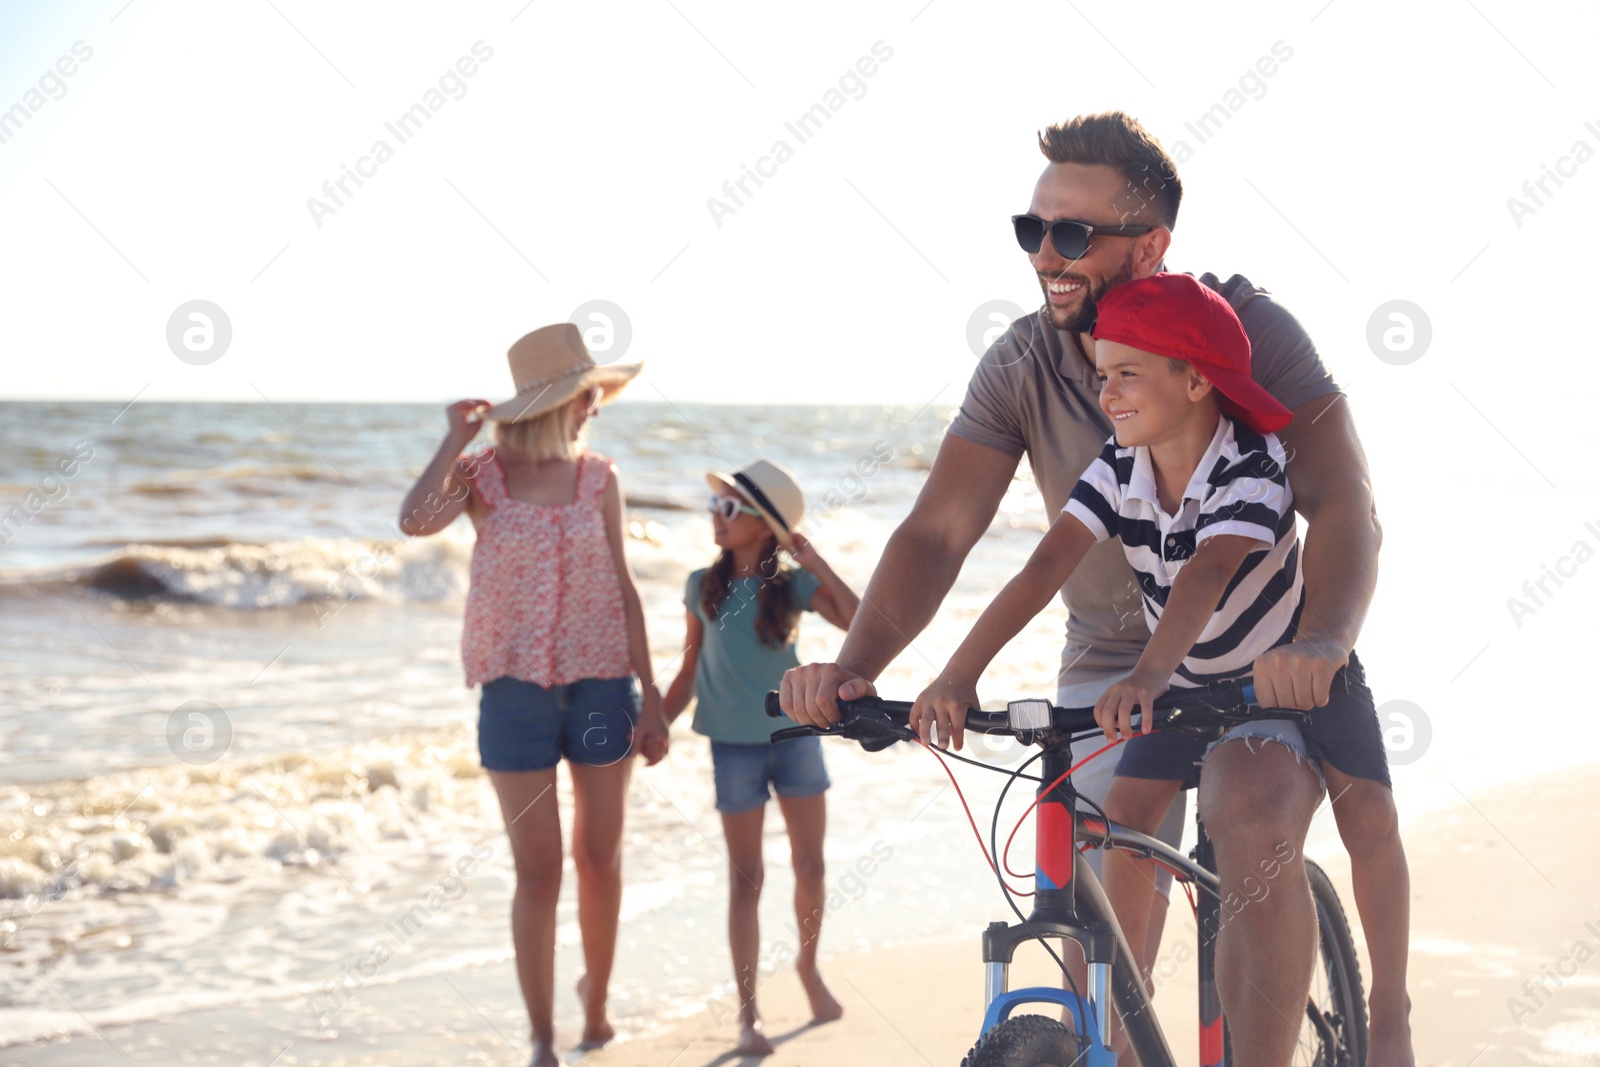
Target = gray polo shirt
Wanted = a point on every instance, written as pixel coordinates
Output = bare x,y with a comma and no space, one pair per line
1036,393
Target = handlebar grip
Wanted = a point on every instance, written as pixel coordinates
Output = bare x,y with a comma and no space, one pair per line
774,706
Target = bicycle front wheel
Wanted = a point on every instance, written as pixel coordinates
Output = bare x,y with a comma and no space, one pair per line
1025,1041
1335,1030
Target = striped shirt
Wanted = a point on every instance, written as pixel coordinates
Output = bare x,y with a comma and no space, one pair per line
1240,486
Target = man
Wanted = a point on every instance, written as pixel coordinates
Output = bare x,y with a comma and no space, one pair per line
1036,392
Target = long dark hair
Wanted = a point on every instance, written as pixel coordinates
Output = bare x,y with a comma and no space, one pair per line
777,616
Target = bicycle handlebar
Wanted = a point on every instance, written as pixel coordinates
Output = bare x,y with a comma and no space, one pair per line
879,723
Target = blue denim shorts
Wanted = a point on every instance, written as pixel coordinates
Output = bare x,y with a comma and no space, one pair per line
527,727
794,768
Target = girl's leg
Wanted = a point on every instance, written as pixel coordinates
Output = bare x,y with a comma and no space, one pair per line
533,825
807,819
599,803
746,872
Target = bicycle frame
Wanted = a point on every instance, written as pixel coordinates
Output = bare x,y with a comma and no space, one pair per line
1068,902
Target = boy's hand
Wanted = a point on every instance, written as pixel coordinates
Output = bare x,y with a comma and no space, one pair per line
1114,710
944,704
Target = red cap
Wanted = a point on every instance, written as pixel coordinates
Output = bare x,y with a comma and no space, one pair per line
1174,315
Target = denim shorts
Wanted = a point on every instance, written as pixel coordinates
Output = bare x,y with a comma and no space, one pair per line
527,727
794,768
1343,733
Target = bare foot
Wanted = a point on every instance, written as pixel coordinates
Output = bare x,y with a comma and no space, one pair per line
1389,1038
824,1009
752,1042
597,1029
544,1055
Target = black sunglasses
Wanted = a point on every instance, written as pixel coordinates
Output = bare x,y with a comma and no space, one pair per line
1071,239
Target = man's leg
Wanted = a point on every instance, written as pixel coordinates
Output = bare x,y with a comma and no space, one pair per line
1370,829
1256,799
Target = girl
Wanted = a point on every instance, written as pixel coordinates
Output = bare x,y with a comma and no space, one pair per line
743,613
555,634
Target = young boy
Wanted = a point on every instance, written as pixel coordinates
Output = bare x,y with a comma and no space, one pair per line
1193,483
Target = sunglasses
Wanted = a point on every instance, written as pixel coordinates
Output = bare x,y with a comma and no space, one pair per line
730,507
1071,239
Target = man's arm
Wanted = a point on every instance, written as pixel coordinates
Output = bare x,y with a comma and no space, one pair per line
1333,491
919,565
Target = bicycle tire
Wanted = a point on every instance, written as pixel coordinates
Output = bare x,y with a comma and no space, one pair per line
1026,1041
1344,1002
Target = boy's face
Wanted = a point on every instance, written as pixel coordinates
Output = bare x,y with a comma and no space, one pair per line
1145,398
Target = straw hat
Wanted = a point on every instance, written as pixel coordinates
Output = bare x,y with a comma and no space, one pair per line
771,490
552,365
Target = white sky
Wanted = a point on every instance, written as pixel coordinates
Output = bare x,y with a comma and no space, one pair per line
178,162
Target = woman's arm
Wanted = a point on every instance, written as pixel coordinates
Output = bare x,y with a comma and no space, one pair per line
442,490
682,687
652,726
835,600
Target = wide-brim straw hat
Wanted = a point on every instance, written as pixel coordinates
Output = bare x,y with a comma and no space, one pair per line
768,488
552,365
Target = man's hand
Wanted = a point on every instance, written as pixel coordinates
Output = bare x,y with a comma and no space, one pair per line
945,704
810,694
1137,692
1298,675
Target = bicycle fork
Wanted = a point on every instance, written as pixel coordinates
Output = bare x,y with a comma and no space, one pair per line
1056,869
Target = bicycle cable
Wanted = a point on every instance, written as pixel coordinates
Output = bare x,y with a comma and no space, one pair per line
965,807
1006,855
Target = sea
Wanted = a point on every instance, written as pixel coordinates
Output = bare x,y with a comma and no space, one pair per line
240,761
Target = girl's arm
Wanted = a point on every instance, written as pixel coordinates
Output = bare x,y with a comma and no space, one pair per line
946,700
835,600
442,491
650,736
682,687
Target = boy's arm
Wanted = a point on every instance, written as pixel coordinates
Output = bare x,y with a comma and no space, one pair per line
1190,605
1192,602
945,701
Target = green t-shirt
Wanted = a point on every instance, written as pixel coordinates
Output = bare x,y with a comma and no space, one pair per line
736,670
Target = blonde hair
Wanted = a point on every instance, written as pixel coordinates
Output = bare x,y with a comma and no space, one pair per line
549,434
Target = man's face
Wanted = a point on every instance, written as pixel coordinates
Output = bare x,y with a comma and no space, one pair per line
1097,195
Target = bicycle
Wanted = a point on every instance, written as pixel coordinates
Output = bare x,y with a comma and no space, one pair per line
1069,901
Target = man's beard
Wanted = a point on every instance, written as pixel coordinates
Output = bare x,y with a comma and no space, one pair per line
1082,318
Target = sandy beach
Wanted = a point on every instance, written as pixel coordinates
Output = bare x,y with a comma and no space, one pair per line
1506,924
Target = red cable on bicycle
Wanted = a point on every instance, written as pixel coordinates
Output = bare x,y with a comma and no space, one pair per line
963,798
1005,854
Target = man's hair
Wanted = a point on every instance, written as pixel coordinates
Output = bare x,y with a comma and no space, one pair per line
1115,139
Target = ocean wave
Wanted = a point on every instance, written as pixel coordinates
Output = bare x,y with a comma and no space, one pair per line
129,831
276,574
244,575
